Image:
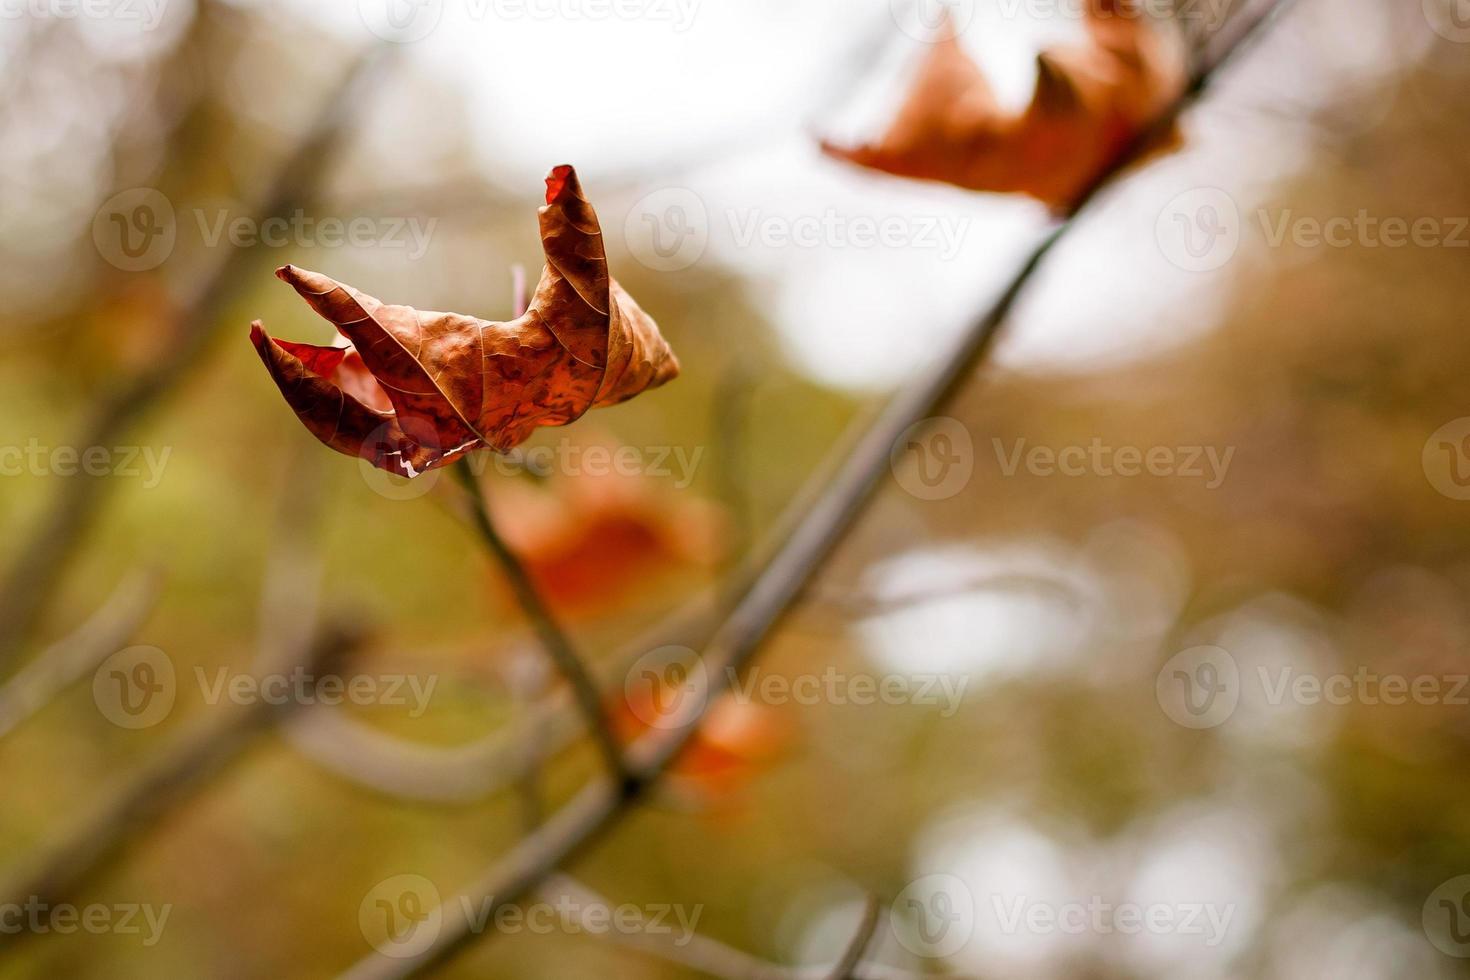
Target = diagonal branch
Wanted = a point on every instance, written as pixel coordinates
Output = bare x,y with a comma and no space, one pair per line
857,949
468,773
710,956
42,557
63,663
820,523
553,638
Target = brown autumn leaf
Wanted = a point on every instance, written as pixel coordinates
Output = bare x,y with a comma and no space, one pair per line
411,390
1090,102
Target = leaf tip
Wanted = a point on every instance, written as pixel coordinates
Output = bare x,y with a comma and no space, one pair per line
561,179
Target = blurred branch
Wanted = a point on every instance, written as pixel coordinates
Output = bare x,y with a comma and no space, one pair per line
857,949
867,605
291,639
42,557
61,664
734,395
709,956
553,638
827,510
469,773
171,778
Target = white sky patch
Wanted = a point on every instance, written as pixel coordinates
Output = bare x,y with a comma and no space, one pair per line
1029,610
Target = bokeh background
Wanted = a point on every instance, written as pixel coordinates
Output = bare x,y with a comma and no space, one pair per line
1330,375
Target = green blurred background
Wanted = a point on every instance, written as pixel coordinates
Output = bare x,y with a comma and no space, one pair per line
1335,543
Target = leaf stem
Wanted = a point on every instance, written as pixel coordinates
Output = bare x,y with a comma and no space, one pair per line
553,638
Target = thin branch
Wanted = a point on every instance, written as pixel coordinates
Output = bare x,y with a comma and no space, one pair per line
166,781
857,949
553,638
63,663
42,557
468,773
291,639
815,532
705,955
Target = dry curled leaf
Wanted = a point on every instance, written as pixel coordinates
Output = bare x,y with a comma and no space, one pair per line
411,390
1091,101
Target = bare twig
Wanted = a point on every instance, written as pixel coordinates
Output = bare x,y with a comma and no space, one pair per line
166,781
553,638
64,662
857,949
703,954
818,527
471,772
41,558
290,639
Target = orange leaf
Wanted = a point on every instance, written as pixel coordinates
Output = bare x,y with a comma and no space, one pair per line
1090,102
736,740
414,390
595,538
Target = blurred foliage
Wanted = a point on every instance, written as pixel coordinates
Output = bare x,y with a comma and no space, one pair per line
1328,371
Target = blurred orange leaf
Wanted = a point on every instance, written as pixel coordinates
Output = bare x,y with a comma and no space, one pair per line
1090,102
592,539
